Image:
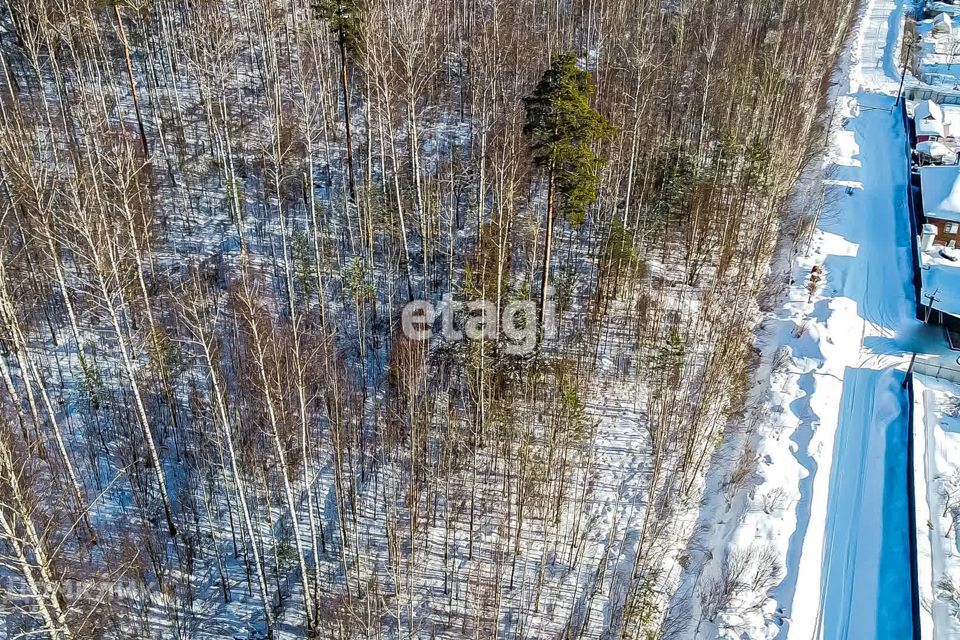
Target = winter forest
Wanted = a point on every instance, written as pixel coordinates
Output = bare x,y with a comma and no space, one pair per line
213,215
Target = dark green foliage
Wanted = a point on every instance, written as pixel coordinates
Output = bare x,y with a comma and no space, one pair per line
573,409
346,19
564,284
92,382
619,247
357,281
678,174
758,163
670,357
303,262
563,126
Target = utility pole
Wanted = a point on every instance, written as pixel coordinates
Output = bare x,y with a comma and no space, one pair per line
903,72
906,378
932,297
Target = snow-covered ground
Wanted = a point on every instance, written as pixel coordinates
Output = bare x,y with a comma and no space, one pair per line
939,51
827,501
937,467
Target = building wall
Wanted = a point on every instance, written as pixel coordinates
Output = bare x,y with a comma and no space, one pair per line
937,317
943,237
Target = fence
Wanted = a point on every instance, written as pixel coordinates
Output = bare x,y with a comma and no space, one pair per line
914,209
912,513
927,92
942,371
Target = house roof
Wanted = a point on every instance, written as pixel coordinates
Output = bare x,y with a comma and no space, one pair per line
930,127
933,149
942,7
940,189
926,110
941,278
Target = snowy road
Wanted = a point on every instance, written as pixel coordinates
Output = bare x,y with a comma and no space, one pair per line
856,526
874,68
835,440
863,578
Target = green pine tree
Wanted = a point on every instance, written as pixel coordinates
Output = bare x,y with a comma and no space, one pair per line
346,19
563,128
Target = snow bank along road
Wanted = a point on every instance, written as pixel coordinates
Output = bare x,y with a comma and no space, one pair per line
834,444
847,563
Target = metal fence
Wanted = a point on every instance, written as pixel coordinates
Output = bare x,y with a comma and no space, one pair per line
942,371
912,514
914,208
927,92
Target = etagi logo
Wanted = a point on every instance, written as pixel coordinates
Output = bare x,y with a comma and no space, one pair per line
514,325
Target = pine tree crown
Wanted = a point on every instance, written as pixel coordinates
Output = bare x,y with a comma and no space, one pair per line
563,127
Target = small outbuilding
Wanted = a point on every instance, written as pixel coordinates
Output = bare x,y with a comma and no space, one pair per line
939,264
942,25
940,192
928,122
928,110
934,152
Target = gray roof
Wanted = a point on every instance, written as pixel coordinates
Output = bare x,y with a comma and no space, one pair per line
940,187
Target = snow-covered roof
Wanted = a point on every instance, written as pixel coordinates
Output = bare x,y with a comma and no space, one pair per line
933,149
951,117
930,127
940,188
942,7
942,22
941,278
927,110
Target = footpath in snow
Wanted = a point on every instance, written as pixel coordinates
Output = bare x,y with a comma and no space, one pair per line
828,499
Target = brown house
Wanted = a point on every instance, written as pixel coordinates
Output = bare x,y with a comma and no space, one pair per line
940,191
946,231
